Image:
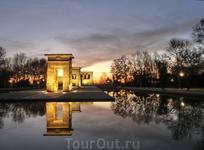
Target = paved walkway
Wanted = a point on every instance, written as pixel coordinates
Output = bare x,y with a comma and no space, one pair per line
85,93
192,93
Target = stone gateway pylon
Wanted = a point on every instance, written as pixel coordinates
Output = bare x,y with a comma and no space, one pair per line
55,62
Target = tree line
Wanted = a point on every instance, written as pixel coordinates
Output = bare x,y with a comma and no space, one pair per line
21,69
144,68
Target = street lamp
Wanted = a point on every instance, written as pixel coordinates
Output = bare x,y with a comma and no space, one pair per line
181,74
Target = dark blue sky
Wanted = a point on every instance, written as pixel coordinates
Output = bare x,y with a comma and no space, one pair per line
94,31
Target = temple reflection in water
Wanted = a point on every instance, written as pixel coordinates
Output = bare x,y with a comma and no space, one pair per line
59,117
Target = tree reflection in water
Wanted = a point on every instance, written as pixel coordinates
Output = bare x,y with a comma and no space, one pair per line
20,111
183,117
4,107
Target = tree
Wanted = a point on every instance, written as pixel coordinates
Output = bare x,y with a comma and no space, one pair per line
120,68
5,68
19,62
198,32
2,56
162,70
36,69
141,67
43,67
184,57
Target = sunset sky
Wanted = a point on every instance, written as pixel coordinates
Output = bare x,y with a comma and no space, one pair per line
94,31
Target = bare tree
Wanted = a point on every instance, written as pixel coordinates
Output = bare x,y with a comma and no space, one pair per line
36,68
2,56
19,62
198,32
184,57
120,68
5,68
43,67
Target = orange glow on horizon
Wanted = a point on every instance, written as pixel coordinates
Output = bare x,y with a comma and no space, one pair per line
98,69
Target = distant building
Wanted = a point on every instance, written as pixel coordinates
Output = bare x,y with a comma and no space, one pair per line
81,77
76,76
87,77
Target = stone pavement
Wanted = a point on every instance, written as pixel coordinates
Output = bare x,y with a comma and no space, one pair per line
85,93
192,93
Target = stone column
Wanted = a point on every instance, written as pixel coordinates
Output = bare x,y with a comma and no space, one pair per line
50,78
55,79
66,79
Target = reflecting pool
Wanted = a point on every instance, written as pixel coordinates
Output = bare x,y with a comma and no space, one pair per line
134,121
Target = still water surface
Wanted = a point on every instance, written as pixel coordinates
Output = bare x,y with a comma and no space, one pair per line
133,121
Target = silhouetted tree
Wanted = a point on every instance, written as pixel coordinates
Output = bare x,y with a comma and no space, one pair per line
184,56
198,32
2,56
5,68
6,73
19,62
162,69
120,68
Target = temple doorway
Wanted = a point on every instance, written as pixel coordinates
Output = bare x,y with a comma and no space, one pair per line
60,79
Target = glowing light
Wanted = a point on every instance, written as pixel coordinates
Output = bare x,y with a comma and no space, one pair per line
60,72
10,81
181,74
182,104
63,92
172,80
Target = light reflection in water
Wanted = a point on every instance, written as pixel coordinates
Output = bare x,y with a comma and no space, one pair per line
183,117
61,126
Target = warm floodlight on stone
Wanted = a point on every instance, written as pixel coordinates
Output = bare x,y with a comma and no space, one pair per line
61,73
55,62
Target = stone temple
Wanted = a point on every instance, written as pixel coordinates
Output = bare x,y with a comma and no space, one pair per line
72,76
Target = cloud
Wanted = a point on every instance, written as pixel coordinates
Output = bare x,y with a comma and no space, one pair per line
95,31
14,46
109,43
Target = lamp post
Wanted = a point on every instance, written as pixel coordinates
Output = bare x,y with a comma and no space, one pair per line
181,75
119,82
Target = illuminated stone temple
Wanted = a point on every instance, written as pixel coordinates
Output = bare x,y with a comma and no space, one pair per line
70,76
